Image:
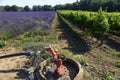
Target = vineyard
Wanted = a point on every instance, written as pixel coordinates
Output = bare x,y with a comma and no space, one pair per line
94,23
85,29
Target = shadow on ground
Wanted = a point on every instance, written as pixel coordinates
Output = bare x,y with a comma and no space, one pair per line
112,42
21,74
75,43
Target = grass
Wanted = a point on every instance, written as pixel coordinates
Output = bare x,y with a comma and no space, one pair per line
117,54
108,77
2,43
117,64
35,39
82,60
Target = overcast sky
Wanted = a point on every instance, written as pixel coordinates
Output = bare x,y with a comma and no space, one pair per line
34,2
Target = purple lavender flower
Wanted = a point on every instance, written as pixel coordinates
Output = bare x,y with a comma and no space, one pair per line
19,22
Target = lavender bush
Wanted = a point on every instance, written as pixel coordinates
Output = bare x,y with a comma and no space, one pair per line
15,23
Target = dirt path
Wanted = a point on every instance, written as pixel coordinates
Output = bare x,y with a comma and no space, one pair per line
10,68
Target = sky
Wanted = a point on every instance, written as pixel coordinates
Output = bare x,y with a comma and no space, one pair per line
30,3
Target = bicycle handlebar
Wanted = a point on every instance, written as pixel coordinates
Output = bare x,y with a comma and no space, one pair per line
30,53
26,53
11,55
20,54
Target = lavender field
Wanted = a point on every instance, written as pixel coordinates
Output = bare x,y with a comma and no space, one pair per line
15,23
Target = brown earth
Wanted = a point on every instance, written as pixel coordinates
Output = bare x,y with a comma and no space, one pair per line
10,68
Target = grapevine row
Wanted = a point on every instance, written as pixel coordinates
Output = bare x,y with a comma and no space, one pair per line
96,23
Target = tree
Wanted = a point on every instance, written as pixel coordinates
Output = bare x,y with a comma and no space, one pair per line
35,8
7,8
75,6
14,8
39,8
47,8
58,7
68,6
85,4
26,8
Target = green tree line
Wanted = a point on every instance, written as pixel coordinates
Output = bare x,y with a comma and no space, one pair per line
26,8
94,5
89,5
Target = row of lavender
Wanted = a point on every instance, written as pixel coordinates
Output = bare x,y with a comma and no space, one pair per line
15,23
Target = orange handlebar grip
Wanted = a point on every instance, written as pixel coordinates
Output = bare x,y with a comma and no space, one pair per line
51,50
